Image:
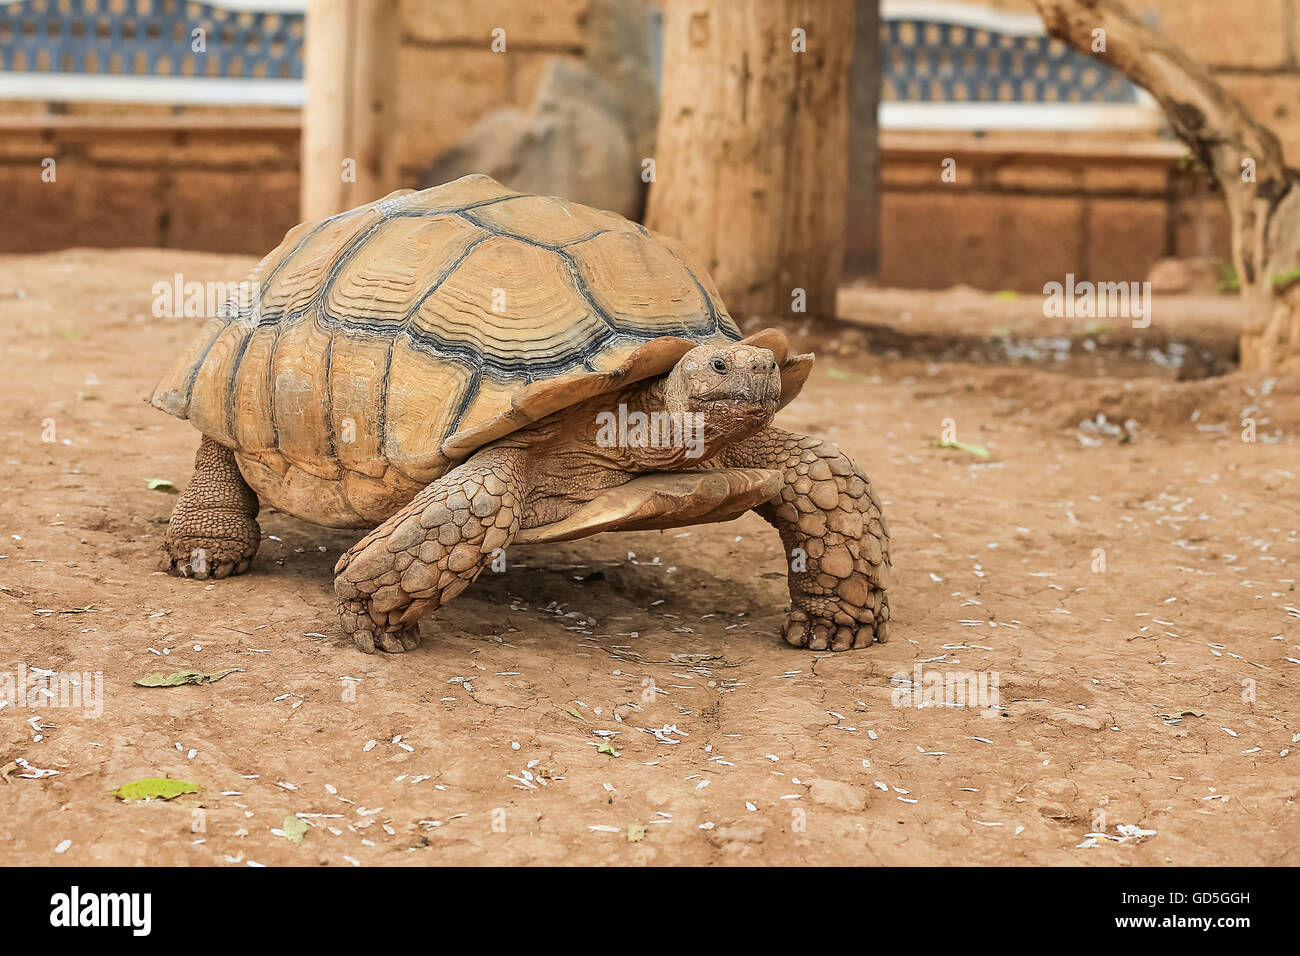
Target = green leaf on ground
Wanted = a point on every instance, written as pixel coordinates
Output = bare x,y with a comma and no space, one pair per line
294,829
979,451
154,788
573,712
162,484
178,678
1006,295
848,376
606,748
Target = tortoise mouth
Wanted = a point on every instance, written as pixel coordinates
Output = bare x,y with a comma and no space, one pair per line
730,403
732,413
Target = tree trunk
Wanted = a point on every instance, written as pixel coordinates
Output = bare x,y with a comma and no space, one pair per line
750,166
862,230
350,59
1245,158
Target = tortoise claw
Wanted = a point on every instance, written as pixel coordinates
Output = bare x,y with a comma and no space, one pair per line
818,633
369,636
216,570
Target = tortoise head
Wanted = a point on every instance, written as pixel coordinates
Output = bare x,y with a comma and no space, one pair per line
733,390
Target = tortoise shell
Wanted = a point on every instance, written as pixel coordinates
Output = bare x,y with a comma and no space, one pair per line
405,333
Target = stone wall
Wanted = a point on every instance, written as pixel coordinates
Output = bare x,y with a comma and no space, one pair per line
1017,224
1016,221
236,189
1006,223
131,176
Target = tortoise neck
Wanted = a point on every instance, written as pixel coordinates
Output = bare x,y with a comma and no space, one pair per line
642,428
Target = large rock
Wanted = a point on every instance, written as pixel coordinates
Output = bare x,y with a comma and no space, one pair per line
1184,276
625,49
574,141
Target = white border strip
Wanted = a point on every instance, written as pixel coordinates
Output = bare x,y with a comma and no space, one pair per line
963,14
1019,116
258,6
179,90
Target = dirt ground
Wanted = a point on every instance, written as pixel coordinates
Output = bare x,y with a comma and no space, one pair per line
1151,702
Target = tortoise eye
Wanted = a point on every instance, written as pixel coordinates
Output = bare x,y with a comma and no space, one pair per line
719,365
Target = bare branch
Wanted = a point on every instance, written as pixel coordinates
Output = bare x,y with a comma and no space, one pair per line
1245,158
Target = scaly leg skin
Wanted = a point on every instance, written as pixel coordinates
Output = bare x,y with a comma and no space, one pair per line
427,553
214,530
835,537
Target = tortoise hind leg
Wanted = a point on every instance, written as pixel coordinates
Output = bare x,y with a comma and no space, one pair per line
213,531
430,551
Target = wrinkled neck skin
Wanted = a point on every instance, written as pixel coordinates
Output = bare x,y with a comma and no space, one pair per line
568,458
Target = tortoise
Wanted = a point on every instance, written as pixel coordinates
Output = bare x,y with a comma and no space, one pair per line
465,368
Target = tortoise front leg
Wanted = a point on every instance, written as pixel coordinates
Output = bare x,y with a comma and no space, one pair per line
835,537
427,553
